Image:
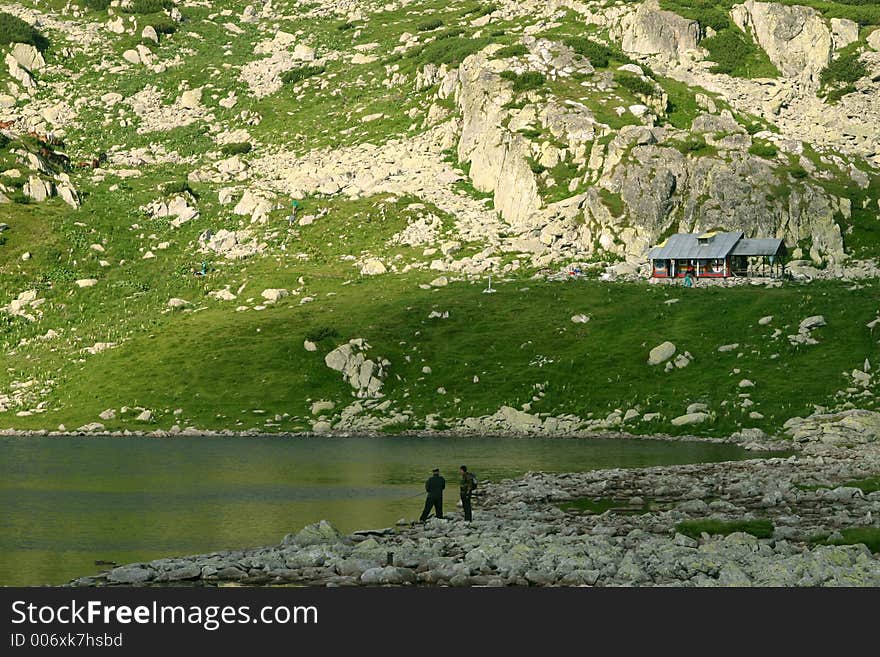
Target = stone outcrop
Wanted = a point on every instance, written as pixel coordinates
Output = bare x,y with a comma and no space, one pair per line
797,39
664,34
366,376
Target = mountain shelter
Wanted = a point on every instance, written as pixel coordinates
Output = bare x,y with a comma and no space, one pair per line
716,255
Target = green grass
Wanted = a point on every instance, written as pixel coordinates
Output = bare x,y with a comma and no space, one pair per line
301,73
527,81
635,84
869,536
15,30
870,485
614,202
695,528
430,25
839,77
735,54
238,148
147,6
515,50
763,149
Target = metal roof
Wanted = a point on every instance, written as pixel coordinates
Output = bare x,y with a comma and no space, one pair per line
759,247
685,246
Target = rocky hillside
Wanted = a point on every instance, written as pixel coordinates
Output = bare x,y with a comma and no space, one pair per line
151,152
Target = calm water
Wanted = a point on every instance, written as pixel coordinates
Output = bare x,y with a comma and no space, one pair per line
65,502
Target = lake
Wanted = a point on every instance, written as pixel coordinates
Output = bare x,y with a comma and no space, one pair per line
67,502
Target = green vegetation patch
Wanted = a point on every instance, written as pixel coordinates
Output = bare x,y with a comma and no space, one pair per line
600,55
95,5
147,6
430,25
763,149
635,84
869,536
516,50
527,81
15,30
695,528
614,202
238,148
301,73
870,485
451,51
735,54
839,77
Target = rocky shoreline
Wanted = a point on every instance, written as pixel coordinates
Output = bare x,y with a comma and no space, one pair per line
628,527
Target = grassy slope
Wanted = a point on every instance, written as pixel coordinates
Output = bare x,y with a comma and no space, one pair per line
219,365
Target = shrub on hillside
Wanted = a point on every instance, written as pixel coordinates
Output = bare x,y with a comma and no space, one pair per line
763,149
15,30
636,85
95,5
480,10
295,75
845,70
525,81
147,6
598,54
735,54
530,133
162,24
516,50
238,148
178,187
691,144
451,52
430,25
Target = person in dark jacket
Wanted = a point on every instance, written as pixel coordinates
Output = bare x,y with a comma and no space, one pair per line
466,488
434,486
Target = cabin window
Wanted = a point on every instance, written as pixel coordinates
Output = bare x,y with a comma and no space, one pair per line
716,266
661,267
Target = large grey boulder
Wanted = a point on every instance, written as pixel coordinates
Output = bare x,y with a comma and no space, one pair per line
388,575
796,39
664,34
689,418
314,534
132,574
28,57
661,353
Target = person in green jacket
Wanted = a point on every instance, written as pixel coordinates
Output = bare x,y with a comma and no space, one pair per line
434,486
466,487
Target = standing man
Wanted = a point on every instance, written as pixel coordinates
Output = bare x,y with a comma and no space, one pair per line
294,205
466,487
434,486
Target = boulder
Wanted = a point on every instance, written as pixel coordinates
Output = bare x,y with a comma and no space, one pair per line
318,533
796,39
149,33
811,323
373,267
664,34
130,575
274,294
28,57
689,418
177,303
661,353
